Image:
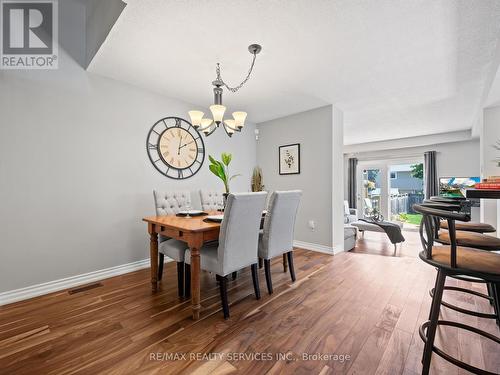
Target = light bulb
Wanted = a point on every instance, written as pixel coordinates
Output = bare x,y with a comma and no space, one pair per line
196,117
239,118
217,112
231,125
205,123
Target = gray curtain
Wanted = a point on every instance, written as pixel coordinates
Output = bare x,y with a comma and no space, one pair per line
430,174
351,183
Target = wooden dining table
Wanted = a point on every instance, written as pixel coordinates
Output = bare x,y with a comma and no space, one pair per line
194,231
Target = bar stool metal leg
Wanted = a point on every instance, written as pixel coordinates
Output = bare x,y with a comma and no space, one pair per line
433,318
495,289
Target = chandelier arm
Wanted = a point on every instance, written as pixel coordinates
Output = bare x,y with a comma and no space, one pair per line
230,127
235,89
227,133
211,132
201,128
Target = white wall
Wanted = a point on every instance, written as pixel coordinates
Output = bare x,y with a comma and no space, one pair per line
75,178
313,130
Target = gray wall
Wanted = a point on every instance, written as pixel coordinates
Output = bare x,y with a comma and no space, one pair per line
453,159
75,179
313,130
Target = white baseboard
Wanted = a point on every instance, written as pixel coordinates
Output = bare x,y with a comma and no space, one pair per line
314,247
70,282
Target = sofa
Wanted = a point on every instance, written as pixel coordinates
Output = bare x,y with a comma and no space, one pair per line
350,236
350,232
350,214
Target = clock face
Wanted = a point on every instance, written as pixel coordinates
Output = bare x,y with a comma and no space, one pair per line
175,148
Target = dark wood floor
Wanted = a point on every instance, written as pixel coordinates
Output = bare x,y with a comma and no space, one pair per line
364,304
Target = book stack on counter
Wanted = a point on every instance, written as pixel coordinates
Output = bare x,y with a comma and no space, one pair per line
490,183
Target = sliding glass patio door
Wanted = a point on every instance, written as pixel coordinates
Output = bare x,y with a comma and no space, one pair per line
372,189
390,188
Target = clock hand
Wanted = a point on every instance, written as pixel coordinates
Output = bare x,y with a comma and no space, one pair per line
185,144
179,148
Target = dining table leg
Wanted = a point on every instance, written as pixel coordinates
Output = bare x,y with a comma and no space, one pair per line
153,255
195,246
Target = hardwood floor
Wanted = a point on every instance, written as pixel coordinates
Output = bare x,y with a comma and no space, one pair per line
365,308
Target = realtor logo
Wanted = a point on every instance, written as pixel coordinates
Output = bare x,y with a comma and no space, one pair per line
29,34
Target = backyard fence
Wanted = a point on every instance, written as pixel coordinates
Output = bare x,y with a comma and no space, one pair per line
403,203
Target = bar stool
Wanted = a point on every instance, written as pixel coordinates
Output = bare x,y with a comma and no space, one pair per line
466,239
452,260
463,203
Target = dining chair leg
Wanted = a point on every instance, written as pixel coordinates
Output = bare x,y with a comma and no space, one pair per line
255,279
261,263
269,281
285,263
160,266
433,322
234,275
290,264
223,295
187,280
180,278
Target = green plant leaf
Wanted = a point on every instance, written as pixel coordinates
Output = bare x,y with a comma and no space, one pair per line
215,169
226,158
222,171
236,175
212,160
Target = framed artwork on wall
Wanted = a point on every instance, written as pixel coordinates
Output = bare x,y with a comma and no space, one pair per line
289,159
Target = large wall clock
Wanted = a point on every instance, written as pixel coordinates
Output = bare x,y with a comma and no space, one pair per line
175,148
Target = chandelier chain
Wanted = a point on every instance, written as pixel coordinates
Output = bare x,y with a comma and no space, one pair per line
235,89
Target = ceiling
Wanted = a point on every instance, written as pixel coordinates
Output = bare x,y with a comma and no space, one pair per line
396,68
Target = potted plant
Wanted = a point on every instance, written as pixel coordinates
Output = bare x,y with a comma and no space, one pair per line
221,170
257,180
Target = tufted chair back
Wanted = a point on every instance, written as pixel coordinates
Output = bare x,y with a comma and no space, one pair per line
170,202
211,200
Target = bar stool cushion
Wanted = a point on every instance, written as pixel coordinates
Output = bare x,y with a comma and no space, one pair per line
471,227
472,239
468,259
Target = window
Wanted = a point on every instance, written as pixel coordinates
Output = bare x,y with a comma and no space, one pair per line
394,175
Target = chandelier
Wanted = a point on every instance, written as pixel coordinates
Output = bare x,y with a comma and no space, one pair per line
209,125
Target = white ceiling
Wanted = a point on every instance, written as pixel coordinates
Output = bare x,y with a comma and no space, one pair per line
396,68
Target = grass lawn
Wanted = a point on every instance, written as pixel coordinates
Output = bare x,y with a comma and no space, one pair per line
414,219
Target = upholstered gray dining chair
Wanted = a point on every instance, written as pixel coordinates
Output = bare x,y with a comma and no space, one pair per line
211,200
170,203
277,237
238,240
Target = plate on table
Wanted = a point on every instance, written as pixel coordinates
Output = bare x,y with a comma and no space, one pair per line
214,218
191,213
